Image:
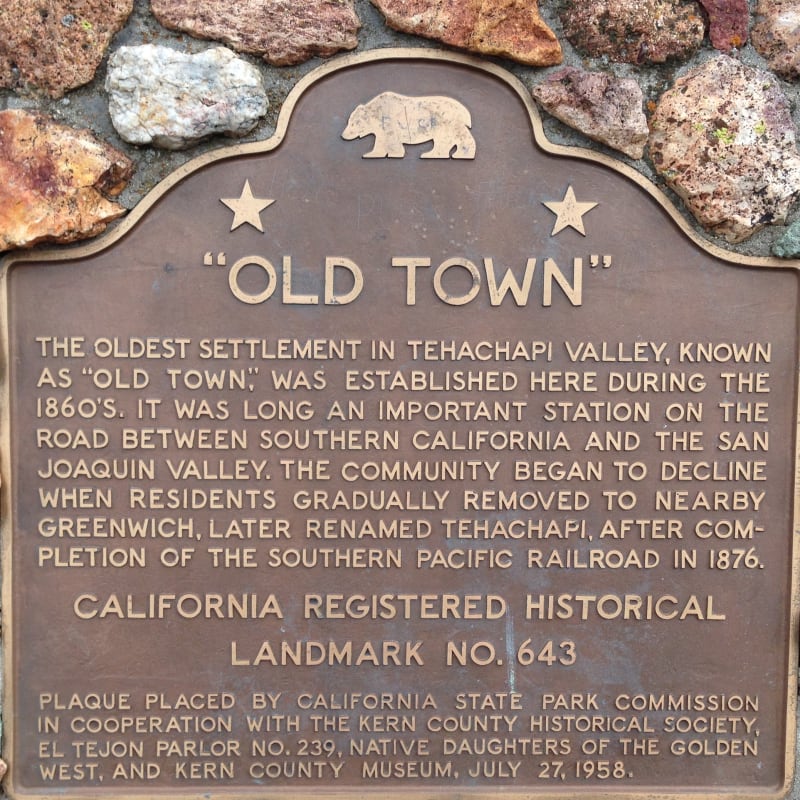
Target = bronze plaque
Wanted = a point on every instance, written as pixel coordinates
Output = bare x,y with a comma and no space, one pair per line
403,455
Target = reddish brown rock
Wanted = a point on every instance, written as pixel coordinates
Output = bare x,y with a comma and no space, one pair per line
634,31
729,23
776,35
508,28
281,31
56,46
723,139
54,181
604,108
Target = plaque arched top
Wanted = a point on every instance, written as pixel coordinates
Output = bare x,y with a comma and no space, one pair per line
461,145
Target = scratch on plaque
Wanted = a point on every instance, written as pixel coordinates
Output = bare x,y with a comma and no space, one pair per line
511,653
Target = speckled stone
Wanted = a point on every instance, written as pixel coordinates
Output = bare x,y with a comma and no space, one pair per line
55,181
162,97
56,46
507,28
788,246
723,139
634,31
776,35
599,105
281,31
729,23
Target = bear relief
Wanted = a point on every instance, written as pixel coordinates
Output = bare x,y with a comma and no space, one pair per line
396,120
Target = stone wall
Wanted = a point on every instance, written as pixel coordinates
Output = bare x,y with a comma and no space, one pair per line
699,96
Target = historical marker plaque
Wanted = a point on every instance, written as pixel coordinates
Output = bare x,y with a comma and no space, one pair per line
406,456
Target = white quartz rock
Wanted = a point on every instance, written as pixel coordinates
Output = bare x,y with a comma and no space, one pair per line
168,99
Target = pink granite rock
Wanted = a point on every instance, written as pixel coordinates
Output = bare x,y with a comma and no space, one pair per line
508,28
634,31
56,46
281,31
54,181
604,108
776,35
729,23
723,139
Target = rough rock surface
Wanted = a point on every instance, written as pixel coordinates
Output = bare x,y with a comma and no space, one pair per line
723,139
604,108
776,35
170,99
56,46
634,31
788,246
54,181
729,23
508,28
282,31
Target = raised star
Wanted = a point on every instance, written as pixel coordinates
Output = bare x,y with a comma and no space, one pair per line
569,213
247,208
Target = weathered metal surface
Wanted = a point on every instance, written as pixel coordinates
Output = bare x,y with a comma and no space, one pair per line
426,463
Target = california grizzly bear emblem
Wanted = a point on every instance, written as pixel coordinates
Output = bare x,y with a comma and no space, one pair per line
396,120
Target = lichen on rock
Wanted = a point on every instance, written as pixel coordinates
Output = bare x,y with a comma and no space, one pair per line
788,245
723,139
728,22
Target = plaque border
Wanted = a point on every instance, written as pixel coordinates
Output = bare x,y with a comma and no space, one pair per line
120,229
